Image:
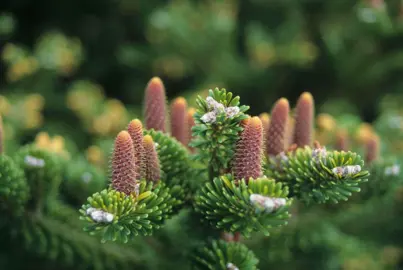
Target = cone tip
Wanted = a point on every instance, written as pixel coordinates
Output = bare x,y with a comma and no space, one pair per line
123,135
255,122
155,79
306,96
135,123
283,102
180,101
148,140
264,116
155,82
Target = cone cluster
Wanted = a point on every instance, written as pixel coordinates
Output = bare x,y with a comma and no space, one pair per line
134,158
155,112
285,131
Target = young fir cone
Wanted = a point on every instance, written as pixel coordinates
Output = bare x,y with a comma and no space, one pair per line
191,123
124,178
372,149
247,161
155,105
152,165
179,120
1,136
135,129
304,119
276,133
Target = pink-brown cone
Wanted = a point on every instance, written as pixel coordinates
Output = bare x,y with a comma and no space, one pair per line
155,105
304,119
123,166
179,120
135,129
152,164
276,134
247,161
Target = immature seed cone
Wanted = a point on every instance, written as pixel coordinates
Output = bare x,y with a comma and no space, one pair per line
276,134
304,119
152,164
1,136
155,105
191,123
135,130
342,141
179,120
247,161
372,149
123,166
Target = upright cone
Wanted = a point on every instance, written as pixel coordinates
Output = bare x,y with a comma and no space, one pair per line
135,129
155,105
247,161
152,164
304,120
179,120
123,166
276,134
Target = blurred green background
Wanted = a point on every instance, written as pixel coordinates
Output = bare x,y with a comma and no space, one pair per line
79,68
259,49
